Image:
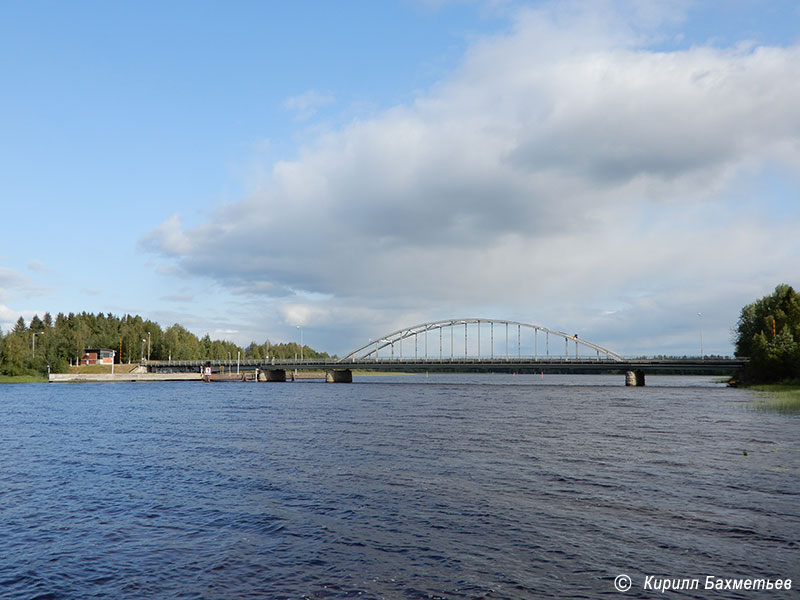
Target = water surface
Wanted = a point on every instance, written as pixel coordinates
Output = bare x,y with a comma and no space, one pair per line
450,486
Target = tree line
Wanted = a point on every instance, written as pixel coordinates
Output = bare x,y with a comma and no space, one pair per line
768,332
30,348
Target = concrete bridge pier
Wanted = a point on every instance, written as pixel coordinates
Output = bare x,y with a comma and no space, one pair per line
634,378
339,376
272,375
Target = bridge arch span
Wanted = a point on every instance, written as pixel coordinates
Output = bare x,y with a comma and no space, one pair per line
391,344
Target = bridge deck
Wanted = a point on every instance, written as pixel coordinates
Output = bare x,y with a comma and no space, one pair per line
563,364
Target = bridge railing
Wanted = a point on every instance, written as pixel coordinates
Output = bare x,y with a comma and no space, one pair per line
333,362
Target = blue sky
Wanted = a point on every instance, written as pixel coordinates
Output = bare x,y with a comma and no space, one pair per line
611,168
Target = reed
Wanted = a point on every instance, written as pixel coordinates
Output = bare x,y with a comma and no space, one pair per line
782,398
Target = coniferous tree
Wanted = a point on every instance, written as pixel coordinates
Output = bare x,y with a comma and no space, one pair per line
37,324
20,327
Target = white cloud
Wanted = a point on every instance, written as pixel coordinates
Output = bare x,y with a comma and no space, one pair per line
563,166
9,278
38,266
306,105
15,284
10,316
168,238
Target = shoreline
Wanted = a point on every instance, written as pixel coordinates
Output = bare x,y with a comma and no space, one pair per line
108,377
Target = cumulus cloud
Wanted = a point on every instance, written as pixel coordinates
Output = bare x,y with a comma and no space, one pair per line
565,164
8,318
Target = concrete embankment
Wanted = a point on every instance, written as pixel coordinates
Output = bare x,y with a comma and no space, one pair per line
139,374
109,377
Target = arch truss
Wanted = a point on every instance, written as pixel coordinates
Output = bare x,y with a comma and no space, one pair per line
478,338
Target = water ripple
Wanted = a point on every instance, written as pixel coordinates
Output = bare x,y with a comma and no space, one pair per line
504,489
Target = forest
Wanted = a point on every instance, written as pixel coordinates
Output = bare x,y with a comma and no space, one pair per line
56,344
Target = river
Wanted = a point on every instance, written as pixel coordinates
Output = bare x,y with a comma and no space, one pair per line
405,487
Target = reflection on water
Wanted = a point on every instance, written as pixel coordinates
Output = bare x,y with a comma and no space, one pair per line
447,486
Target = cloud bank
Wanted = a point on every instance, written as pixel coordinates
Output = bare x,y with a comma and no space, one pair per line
566,174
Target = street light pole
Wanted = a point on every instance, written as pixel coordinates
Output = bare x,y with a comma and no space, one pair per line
143,341
148,345
301,342
700,315
33,342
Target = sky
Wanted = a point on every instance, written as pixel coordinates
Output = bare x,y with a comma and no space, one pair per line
626,170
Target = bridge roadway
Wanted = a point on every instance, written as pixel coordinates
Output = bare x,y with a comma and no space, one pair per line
642,366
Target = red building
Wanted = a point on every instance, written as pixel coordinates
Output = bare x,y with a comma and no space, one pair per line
97,356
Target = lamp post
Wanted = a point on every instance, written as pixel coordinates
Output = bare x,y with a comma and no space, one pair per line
301,342
700,316
148,345
143,341
33,342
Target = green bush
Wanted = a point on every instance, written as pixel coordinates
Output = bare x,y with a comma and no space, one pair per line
768,332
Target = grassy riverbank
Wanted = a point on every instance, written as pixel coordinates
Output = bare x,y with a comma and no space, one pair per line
22,379
780,398
124,368
88,369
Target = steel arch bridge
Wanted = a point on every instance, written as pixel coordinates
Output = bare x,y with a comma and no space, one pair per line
536,342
